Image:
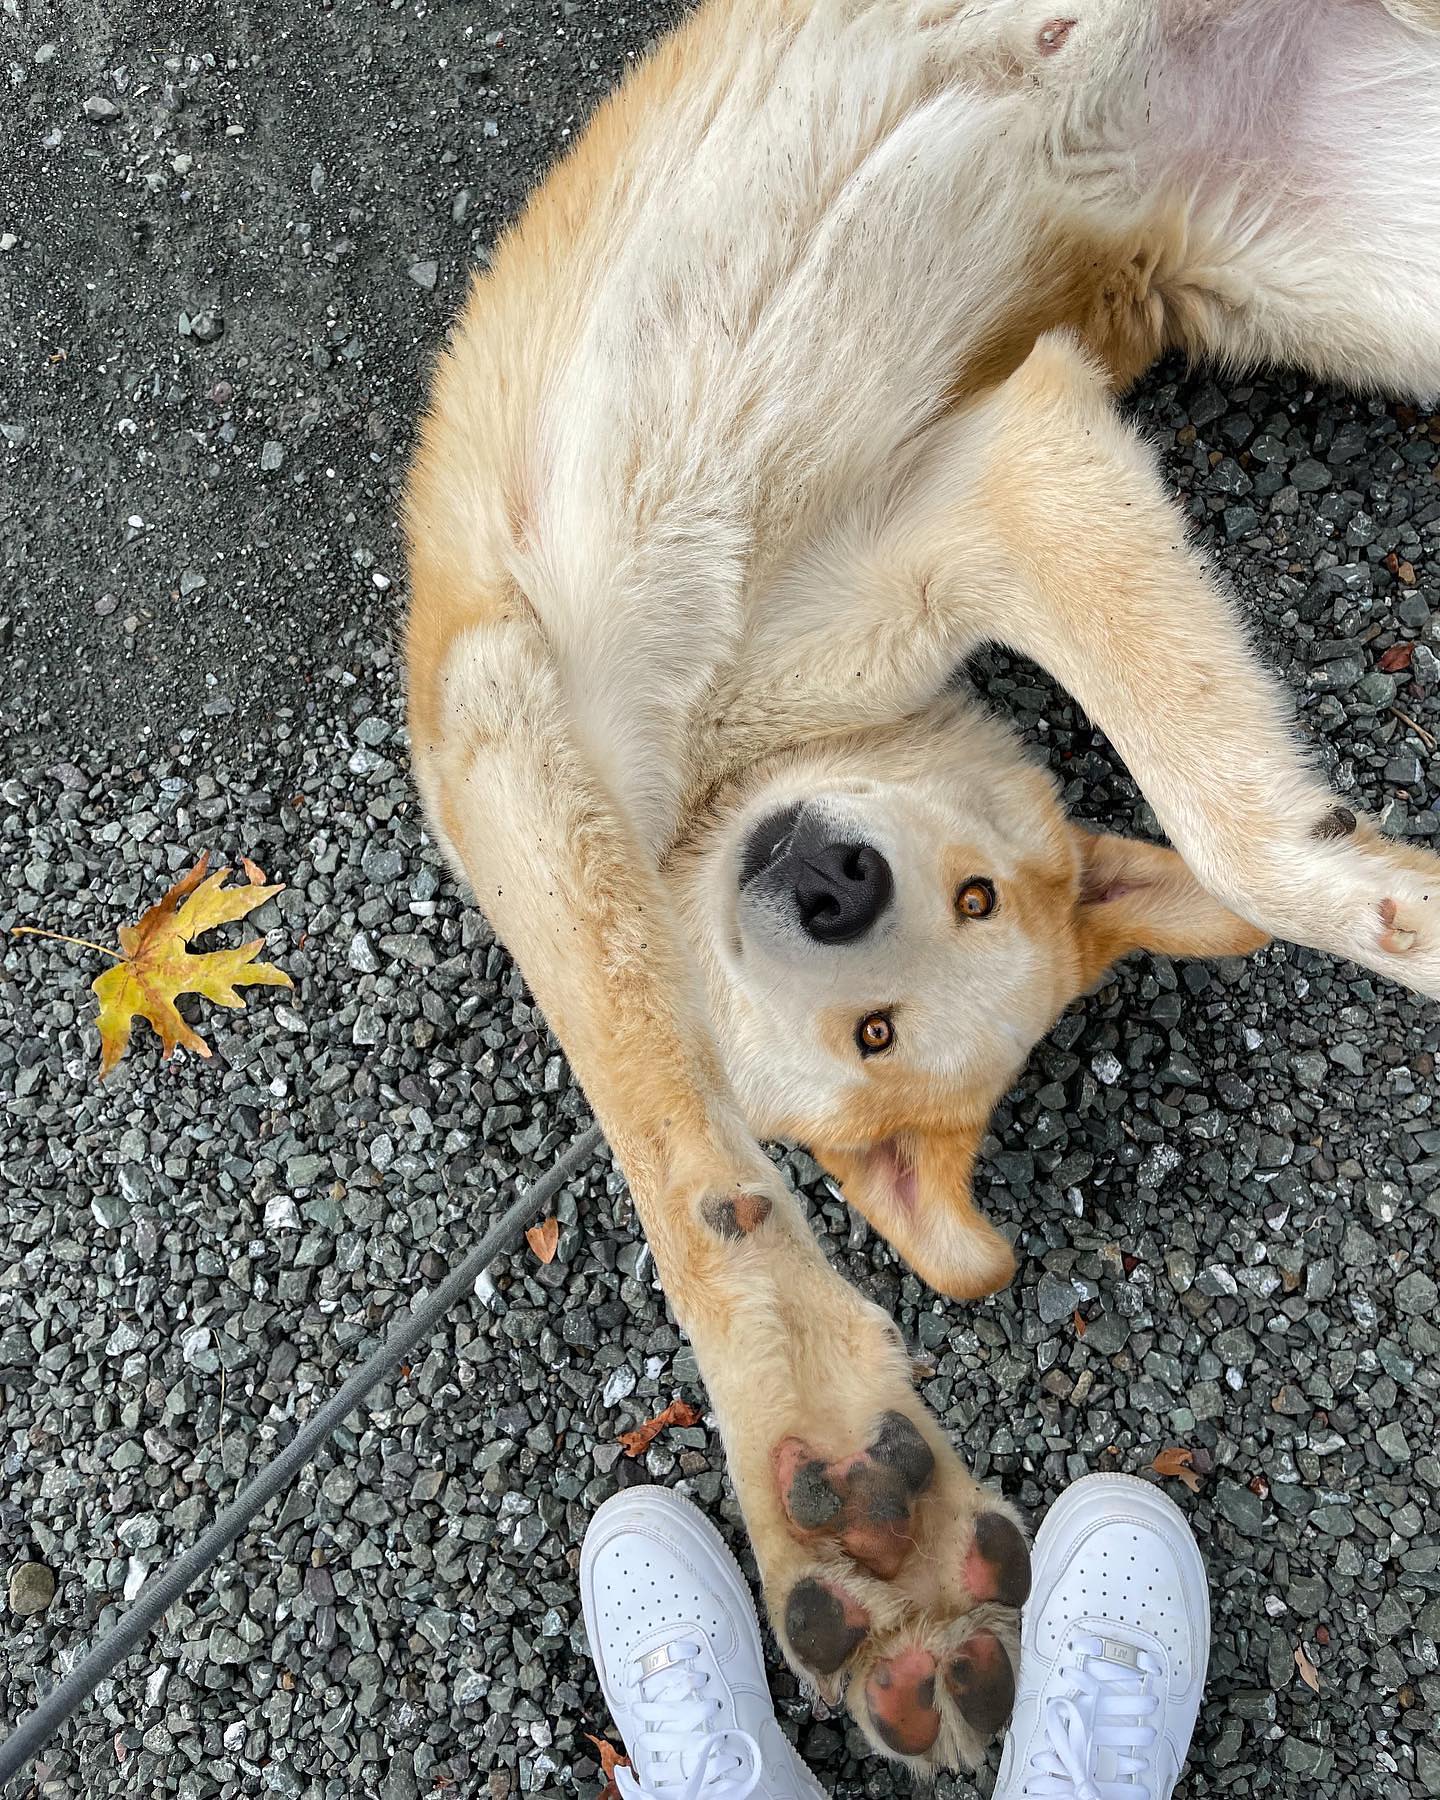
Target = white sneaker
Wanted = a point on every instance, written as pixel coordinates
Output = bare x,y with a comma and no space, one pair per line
676,1644
1115,1641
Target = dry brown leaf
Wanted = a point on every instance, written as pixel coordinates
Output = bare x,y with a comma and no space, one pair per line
1077,1319
1396,659
1309,1674
1179,1465
157,965
544,1239
638,1441
610,1761
254,874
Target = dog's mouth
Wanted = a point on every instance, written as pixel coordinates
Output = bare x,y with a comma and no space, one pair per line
768,842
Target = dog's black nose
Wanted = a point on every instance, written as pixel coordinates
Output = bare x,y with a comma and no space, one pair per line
840,889
837,889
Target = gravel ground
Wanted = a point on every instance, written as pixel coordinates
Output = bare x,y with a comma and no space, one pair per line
230,238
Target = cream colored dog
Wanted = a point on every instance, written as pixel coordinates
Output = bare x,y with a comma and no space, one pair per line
789,389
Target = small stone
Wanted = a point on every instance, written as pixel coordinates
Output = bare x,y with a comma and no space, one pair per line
1107,1335
272,455
1416,1294
1161,1161
362,955
1057,1299
207,326
226,1647
1348,1057
1392,1440
619,1386
471,1687
1252,1703
109,1210
32,1588
198,1349
100,109
281,1214
424,274
1310,477
381,862
1310,1761
135,1183
123,1339
1244,1510
1376,690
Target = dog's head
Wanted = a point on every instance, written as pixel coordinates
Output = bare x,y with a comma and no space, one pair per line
887,927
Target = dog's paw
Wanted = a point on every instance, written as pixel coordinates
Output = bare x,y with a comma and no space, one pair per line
899,1584
1358,895
905,1588
1392,897
1407,928
891,1577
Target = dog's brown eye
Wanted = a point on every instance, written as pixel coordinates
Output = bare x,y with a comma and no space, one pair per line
976,900
874,1033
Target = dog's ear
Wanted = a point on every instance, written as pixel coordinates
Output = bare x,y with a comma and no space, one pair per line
915,1190
1136,896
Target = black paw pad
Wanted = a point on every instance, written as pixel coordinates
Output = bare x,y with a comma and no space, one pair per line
900,1446
982,1683
812,1500
998,1564
824,1628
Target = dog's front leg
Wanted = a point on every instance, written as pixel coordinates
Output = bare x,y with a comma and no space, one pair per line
885,1566
574,895
1099,585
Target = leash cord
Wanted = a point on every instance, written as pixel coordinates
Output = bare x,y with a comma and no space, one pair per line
161,1591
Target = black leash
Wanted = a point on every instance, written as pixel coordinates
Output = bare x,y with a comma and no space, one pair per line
161,1591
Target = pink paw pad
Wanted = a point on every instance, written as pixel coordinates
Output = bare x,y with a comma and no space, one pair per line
997,1565
901,1697
1395,939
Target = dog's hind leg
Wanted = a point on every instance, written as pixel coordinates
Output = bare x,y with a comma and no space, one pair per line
1298,146
1062,520
882,1558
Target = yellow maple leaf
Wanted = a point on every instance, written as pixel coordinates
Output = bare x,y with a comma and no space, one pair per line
157,966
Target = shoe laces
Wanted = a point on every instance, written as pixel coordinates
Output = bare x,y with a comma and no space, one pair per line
1096,1741
678,1753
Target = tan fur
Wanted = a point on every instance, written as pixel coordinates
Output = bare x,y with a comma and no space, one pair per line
789,388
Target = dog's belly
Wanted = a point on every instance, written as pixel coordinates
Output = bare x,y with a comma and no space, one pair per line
818,221
798,235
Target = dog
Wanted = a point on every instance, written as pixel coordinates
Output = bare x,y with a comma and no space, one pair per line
792,386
